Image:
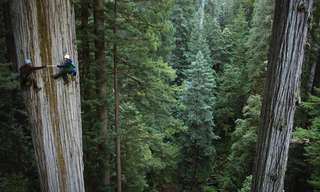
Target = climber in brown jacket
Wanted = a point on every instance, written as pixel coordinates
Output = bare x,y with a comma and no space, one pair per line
26,78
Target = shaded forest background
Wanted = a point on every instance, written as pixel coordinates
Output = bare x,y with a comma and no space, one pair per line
172,137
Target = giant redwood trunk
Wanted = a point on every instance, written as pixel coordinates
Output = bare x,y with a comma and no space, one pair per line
281,93
43,31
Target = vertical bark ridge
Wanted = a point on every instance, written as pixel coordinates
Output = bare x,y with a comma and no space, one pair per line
44,31
281,90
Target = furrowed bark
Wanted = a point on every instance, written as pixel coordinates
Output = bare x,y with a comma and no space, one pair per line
43,31
281,93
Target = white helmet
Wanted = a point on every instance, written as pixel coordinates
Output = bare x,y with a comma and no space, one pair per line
66,56
27,61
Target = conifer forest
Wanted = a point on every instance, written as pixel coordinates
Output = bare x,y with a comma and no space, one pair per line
160,96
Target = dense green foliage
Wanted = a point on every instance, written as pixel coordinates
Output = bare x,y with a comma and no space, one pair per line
310,137
241,156
182,11
191,77
18,169
198,140
247,184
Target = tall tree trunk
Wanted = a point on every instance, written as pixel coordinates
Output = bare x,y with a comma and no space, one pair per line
314,51
101,82
316,78
117,102
43,31
11,54
281,93
86,88
84,53
312,74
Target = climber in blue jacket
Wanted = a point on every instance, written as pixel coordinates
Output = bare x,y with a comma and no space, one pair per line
66,69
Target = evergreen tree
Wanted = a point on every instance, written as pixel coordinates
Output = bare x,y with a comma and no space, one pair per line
218,43
231,8
241,157
18,170
198,149
310,137
143,41
198,100
187,71
233,89
258,41
198,42
181,14
146,96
